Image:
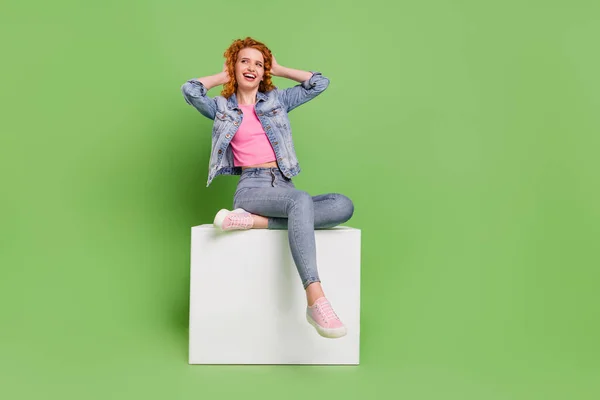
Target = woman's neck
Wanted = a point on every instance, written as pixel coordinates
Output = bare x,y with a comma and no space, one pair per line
246,97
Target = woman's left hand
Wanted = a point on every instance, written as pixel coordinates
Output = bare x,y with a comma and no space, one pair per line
274,67
289,73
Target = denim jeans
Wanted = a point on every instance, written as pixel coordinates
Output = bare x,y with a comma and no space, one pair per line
267,192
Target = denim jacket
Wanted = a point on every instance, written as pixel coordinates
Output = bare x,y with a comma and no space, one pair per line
272,109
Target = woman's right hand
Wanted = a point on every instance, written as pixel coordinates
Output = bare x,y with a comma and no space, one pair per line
225,73
220,78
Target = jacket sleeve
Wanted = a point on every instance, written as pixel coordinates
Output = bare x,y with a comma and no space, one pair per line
303,92
194,93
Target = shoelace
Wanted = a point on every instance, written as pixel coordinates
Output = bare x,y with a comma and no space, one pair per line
239,220
326,311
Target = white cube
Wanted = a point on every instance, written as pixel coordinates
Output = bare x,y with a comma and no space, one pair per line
248,306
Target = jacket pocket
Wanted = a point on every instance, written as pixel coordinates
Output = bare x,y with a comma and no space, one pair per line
221,116
278,117
275,111
222,124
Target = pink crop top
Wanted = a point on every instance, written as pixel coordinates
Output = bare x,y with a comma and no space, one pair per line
250,144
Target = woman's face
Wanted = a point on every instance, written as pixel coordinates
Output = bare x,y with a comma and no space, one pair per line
249,68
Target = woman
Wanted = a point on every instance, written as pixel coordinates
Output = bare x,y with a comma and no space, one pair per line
251,137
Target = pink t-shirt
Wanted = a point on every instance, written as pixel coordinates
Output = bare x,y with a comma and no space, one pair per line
250,144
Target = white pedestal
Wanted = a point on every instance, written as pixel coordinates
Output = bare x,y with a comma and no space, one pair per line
247,304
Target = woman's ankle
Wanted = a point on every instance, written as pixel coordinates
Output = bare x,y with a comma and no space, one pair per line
314,291
260,222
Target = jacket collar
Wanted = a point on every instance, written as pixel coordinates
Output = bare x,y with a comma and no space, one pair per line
233,104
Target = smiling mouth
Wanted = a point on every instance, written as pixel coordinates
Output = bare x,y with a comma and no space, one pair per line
250,77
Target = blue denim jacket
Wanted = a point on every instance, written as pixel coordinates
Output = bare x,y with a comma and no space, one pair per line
272,110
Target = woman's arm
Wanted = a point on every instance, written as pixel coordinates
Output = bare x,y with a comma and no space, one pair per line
311,85
211,81
194,91
289,73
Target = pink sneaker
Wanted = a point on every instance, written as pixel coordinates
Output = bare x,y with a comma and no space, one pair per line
233,220
324,319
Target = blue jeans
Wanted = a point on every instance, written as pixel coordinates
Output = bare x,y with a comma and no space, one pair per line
267,192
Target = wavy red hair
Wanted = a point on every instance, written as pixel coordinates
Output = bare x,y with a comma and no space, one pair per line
231,55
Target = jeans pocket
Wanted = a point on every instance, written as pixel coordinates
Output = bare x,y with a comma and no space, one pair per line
236,195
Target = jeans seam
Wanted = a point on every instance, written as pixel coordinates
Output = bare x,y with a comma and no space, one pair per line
294,233
299,248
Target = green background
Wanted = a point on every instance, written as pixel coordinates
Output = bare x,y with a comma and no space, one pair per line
466,132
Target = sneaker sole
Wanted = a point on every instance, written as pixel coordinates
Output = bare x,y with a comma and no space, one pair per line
327,333
220,217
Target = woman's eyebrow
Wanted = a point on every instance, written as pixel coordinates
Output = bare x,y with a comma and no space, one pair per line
246,58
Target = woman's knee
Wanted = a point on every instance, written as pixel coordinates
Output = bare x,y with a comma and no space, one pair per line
346,207
302,200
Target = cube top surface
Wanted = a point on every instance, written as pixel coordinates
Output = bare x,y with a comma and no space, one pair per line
337,228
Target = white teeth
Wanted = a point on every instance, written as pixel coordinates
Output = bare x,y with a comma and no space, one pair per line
249,76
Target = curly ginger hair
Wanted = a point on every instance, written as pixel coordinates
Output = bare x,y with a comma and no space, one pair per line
231,58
